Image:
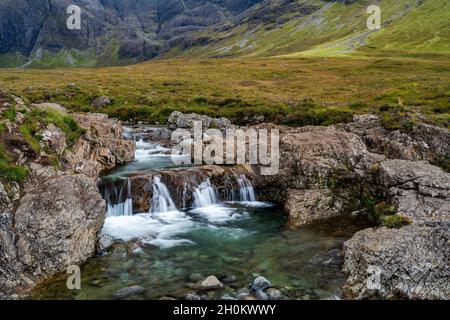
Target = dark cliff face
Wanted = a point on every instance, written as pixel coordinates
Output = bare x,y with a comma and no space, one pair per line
139,29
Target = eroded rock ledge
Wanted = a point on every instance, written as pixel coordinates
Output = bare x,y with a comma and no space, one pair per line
334,171
52,220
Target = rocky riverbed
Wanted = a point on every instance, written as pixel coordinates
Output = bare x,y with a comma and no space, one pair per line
54,218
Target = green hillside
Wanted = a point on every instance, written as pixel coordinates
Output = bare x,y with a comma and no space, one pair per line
408,26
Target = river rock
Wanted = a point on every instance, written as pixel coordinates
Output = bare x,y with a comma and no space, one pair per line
104,242
411,262
211,283
273,294
128,292
260,284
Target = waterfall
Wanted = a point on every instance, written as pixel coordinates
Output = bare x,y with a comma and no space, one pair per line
246,190
161,200
205,195
119,201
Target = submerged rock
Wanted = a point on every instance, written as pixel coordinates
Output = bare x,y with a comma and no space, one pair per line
228,279
260,284
273,294
211,283
128,292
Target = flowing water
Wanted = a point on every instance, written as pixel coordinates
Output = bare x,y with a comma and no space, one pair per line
168,250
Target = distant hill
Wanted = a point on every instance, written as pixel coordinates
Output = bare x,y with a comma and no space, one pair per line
115,32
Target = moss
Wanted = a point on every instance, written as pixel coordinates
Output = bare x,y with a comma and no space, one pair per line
397,118
395,221
39,118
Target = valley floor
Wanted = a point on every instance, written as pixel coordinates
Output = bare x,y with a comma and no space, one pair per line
274,87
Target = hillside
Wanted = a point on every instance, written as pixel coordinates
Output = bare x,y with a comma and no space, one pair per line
117,32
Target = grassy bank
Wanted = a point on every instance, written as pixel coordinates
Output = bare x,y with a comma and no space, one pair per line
285,90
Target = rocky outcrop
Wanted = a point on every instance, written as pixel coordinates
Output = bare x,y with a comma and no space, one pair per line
325,172
52,219
322,171
54,138
182,182
419,190
422,142
179,120
412,262
101,148
55,225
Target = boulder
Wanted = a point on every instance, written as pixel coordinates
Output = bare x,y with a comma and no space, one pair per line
55,225
260,284
179,120
412,262
419,190
101,102
54,138
422,142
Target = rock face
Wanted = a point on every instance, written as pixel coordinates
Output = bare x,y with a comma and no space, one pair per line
52,228
412,262
182,182
54,138
322,171
143,28
419,190
179,120
424,142
53,219
101,148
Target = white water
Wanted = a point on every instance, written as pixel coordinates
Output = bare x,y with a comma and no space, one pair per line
145,151
164,225
246,190
205,195
161,200
125,205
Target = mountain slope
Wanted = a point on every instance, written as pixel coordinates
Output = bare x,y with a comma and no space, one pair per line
118,32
